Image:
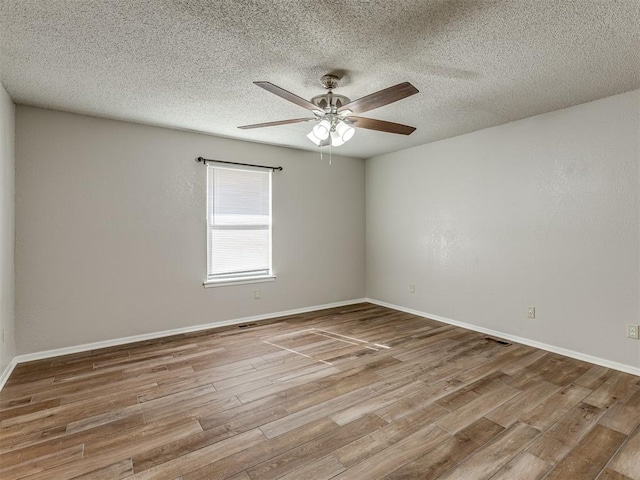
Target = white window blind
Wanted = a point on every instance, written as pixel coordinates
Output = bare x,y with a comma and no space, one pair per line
239,223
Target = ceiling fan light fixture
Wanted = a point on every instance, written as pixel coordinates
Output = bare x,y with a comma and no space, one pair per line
336,140
322,129
313,138
344,131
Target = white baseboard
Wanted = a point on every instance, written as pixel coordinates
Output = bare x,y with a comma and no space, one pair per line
29,357
7,372
525,341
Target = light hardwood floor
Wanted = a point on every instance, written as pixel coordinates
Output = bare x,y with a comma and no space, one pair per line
359,392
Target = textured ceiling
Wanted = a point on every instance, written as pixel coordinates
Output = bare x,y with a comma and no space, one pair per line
190,64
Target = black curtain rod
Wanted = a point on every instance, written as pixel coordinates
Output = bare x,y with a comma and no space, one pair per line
205,160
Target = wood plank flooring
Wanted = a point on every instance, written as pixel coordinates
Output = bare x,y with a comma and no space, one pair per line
358,392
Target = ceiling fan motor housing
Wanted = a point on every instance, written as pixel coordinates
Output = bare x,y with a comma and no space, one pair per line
330,102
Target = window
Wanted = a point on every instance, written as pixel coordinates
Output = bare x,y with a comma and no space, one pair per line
238,224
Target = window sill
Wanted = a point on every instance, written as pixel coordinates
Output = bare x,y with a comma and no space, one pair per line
238,281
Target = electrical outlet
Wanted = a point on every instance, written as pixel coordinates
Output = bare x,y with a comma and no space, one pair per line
256,294
633,331
531,312
412,288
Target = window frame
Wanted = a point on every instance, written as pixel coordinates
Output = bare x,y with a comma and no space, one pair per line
235,279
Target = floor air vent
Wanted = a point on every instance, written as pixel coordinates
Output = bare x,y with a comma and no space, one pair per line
248,325
497,340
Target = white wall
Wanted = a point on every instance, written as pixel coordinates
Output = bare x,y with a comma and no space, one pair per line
543,212
110,230
7,230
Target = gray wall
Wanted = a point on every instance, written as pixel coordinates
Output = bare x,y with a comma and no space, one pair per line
542,212
110,233
110,230
7,231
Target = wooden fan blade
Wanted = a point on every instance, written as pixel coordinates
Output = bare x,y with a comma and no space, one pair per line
380,98
381,125
281,92
280,122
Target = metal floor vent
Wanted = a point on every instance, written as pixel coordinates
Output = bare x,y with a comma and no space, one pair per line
248,325
497,340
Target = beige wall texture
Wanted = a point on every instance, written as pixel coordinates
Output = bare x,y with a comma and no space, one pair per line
7,230
541,212
110,230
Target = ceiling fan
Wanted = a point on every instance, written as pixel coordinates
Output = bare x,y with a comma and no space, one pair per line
334,114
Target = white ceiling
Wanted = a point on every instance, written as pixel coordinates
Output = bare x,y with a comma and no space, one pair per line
190,64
